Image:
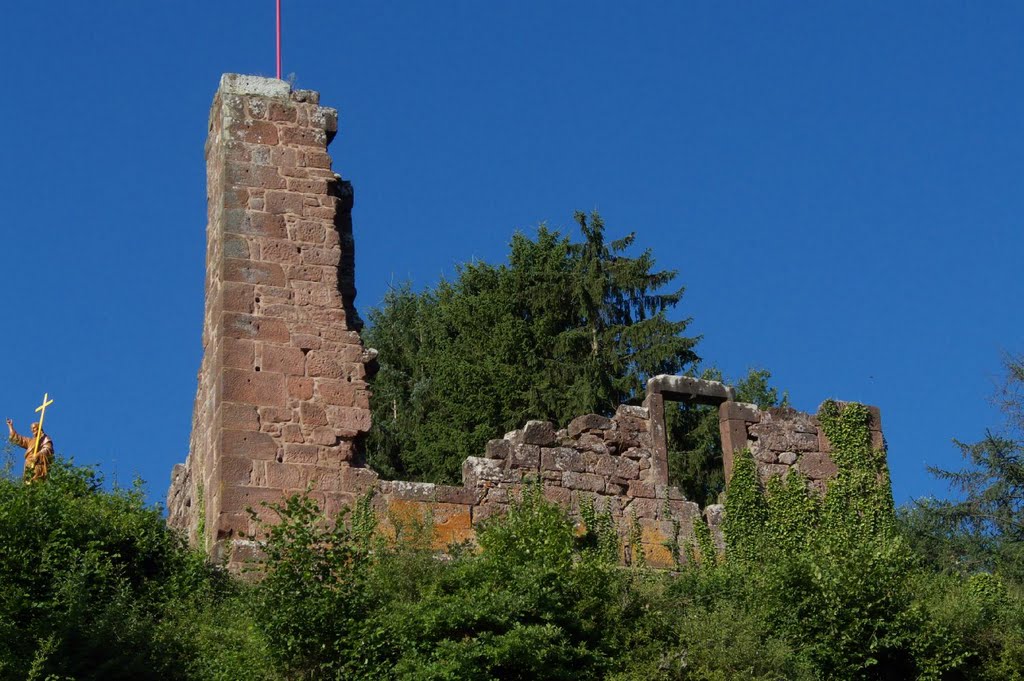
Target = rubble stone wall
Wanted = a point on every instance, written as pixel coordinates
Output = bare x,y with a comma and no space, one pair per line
783,439
282,401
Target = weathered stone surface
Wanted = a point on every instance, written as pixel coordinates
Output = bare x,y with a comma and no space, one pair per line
498,449
540,433
525,457
276,291
690,389
740,411
817,466
583,481
581,424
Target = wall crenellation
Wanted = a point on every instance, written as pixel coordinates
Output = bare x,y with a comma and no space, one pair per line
282,402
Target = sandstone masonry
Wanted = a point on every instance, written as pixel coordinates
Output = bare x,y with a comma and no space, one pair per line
282,402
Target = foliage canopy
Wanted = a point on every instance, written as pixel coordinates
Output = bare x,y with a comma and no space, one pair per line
564,328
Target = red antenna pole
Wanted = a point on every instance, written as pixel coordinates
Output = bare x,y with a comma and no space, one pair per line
279,39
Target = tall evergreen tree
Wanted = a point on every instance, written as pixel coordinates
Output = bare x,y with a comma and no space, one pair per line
564,328
983,528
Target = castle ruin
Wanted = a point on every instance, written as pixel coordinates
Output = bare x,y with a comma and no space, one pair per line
282,403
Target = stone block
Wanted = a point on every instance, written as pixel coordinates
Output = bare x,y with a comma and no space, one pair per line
275,414
320,255
292,432
771,470
238,297
524,457
310,273
281,111
300,388
453,524
540,433
340,454
235,416
477,469
605,466
762,454
254,223
739,411
690,389
312,414
308,137
299,453
787,458
639,488
497,495
284,203
586,482
282,360
626,468
238,499
279,251
582,424
338,393
324,364
632,412
254,132
252,272
817,466
310,231
324,435
235,470
498,449
450,494
317,159
253,387
616,487
236,246
286,476
562,459
349,421
484,512
246,444
358,480
252,175
238,353
592,442
270,329
644,508
325,478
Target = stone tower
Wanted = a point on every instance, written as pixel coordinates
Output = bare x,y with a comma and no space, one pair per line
282,401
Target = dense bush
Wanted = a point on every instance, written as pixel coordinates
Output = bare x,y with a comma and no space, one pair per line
93,585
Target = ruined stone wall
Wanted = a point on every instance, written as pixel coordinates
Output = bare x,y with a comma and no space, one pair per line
783,439
608,462
282,401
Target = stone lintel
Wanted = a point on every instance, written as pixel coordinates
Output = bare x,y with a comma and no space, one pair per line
687,389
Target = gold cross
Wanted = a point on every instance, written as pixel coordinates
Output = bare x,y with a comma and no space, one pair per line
42,413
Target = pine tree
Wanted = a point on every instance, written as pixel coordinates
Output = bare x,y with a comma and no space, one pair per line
564,328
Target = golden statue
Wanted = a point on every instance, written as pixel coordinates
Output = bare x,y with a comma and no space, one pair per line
38,448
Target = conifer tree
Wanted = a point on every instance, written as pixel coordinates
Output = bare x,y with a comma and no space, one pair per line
564,328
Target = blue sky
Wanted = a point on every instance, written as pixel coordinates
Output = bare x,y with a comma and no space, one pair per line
838,184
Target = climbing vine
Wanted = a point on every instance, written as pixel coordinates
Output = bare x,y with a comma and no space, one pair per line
783,514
